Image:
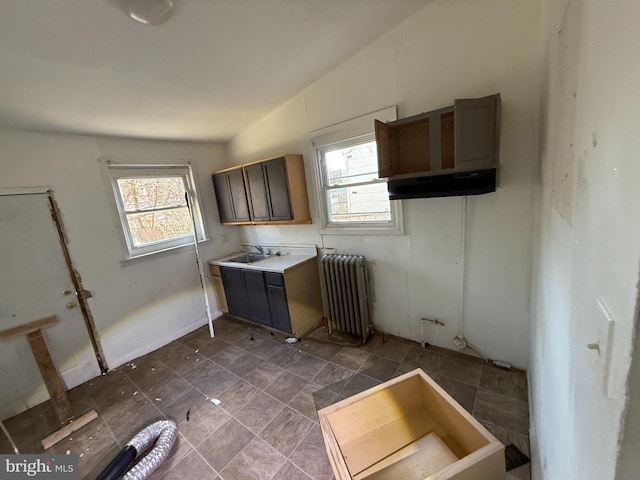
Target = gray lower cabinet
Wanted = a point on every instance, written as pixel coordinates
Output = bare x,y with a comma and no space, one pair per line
277,296
257,296
235,291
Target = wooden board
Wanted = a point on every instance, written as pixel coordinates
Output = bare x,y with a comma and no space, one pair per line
370,448
380,424
51,377
69,429
363,432
28,327
416,461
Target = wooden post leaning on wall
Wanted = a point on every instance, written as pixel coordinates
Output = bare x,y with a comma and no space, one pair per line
48,370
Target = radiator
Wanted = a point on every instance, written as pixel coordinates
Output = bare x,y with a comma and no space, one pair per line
345,297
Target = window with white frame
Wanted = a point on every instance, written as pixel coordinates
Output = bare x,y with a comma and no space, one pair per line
354,198
154,206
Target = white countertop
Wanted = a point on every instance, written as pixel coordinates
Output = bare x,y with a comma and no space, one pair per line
275,263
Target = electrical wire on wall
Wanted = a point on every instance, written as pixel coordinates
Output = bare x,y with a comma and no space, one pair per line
460,341
189,196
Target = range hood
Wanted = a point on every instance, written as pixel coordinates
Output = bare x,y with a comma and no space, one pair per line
448,185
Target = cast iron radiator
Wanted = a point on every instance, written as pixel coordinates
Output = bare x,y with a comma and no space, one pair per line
345,294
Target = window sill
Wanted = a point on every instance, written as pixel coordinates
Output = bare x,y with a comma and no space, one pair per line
362,230
159,253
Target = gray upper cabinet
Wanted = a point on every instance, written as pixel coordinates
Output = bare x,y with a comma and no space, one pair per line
223,197
231,196
459,138
257,190
268,190
476,133
275,176
274,191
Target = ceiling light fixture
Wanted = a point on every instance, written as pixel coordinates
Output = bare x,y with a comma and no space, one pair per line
147,12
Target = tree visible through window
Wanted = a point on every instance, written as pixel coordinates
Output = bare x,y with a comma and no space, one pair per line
153,206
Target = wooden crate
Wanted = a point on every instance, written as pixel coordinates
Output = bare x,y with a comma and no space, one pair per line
408,428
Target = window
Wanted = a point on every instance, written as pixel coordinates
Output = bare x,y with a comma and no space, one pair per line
153,207
354,198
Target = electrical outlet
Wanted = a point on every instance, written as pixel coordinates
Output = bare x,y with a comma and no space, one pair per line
225,238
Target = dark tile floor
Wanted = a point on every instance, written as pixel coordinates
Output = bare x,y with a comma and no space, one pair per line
265,425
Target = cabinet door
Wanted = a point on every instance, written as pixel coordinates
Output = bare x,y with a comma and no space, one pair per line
278,301
275,175
238,196
258,302
223,197
279,308
235,291
476,145
383,142
257,191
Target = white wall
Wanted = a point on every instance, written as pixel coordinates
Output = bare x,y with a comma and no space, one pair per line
628,459
136,307
588,247
451,49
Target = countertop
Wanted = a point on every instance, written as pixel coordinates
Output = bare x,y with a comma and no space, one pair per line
275,263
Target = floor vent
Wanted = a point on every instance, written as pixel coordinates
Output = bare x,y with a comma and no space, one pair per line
514,457
345,297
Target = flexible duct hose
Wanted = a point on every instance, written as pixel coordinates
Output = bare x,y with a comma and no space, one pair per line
119,464
163,433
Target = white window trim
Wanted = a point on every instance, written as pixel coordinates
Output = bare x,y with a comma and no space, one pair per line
113,170
357,130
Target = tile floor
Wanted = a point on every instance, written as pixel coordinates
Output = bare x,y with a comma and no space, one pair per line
266,426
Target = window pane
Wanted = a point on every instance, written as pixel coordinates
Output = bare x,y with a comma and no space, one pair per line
145,193
355,164
364,203
152,227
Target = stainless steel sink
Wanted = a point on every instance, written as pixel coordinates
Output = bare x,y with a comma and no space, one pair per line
249,258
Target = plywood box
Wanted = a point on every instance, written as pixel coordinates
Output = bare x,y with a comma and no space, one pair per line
408,428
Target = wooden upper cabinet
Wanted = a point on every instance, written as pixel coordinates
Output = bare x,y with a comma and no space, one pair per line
458,138
275,190
231,196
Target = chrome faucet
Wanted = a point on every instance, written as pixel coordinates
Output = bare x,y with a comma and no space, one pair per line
259,248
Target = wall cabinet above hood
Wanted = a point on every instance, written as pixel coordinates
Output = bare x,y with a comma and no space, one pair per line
449,145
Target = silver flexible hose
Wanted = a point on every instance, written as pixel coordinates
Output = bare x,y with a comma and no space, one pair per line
165,431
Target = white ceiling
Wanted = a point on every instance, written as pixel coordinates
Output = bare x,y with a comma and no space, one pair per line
215,68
